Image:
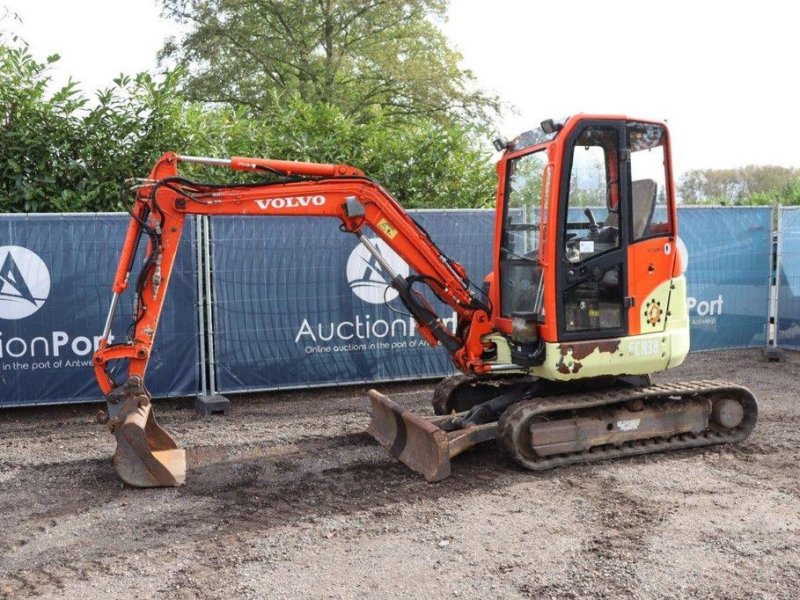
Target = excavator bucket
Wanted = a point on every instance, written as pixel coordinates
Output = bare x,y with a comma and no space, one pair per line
420,442
146,455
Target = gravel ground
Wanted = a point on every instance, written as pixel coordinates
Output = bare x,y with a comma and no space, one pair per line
287,497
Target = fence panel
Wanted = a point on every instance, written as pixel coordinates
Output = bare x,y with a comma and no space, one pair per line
55,280
788,279
728,275
297,303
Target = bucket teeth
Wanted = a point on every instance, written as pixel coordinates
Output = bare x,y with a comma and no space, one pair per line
146,455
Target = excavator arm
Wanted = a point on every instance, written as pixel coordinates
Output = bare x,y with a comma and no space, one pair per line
146,455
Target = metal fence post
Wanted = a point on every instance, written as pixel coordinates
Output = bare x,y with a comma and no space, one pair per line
779,264
211,402
771,351
198,224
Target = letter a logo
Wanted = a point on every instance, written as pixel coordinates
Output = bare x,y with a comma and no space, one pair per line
24,282
366,277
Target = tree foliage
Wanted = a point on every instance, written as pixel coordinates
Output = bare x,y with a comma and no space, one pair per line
361,56
744,185
61,151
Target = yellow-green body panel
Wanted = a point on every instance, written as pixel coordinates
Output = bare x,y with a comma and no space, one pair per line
663,343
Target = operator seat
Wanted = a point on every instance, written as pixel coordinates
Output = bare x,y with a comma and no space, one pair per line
644,204
643,195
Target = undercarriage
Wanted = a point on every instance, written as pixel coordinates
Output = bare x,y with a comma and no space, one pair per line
540,426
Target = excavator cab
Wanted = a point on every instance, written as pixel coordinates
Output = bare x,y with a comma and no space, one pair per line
586,242
588,299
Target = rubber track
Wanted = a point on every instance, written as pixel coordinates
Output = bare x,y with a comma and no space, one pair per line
513,424
445,389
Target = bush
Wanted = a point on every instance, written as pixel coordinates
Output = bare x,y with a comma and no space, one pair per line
62,152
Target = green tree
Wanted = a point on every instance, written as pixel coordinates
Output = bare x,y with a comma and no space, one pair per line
62,152
59,152
361,56
423,163
751,184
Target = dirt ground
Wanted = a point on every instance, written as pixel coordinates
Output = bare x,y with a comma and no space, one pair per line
287,497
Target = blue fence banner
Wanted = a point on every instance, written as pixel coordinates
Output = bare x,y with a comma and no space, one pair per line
298,303
788,274
55,289
728,275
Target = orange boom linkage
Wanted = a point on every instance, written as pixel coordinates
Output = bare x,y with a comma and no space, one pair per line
146,455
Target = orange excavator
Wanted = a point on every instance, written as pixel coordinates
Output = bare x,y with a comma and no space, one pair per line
586,299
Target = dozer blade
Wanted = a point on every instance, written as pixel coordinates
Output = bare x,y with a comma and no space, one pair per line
419,442
146,455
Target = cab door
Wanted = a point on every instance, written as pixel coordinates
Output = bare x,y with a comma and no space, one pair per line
592,276
651,251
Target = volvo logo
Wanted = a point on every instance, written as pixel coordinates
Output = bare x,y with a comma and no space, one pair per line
24,282
294,202
367,278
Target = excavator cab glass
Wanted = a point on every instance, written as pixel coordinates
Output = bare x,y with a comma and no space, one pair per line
650,214
592,287
520,272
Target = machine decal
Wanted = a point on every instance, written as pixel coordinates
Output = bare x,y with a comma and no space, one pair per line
653,312
628,424
296,202
644,347
386,228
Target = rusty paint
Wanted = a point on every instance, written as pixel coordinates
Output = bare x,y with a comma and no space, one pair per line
581,350
146,455
420,442
563,368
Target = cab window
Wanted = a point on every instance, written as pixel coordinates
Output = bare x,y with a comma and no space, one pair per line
650,216
592,220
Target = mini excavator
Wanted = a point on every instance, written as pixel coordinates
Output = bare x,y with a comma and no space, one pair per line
586,299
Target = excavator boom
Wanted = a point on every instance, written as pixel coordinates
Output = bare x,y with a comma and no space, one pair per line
146,455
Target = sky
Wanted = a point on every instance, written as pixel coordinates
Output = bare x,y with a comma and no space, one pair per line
722,74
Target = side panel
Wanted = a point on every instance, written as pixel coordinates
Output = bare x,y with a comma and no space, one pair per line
633,355
650,265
